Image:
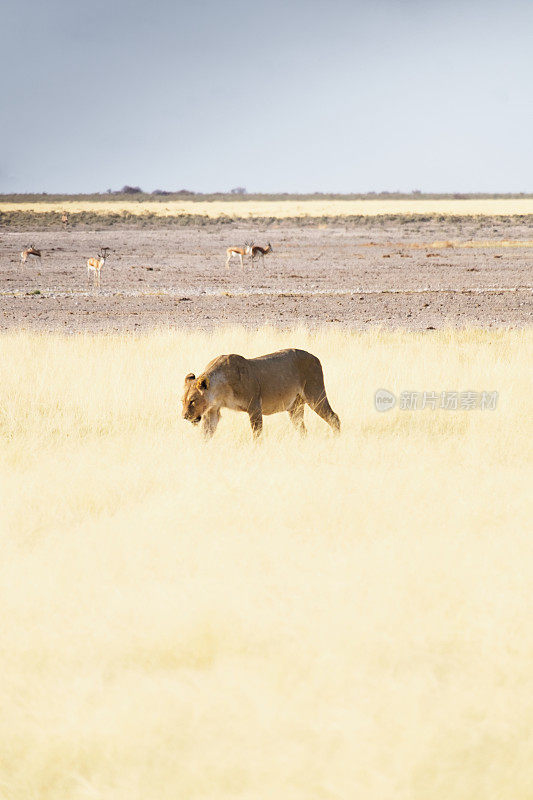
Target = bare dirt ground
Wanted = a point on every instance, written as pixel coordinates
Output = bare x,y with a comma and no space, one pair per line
413,275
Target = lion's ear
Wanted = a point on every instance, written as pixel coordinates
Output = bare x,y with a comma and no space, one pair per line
202,384
190,377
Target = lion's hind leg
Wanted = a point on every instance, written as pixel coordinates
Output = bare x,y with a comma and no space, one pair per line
316,398
255,413
296,414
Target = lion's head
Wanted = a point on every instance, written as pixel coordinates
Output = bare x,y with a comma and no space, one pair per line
194,401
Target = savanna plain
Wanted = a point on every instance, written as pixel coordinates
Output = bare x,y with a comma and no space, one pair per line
333,617
328,617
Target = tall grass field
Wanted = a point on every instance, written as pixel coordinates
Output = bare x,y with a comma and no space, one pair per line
278,208
296,620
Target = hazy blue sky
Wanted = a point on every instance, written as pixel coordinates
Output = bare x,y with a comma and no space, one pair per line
276,96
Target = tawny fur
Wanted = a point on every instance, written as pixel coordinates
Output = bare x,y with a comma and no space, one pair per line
29,251
260,251
283,381
95,265
239,252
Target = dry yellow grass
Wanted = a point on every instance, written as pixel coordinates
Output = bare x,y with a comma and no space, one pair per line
282,208
321,619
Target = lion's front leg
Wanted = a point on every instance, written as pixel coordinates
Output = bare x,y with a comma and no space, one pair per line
209,423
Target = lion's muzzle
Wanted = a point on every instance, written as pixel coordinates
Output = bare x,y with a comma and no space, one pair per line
193,417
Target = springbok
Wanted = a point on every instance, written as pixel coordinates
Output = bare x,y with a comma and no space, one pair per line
64,219
29,251
261,251
239,252
96,264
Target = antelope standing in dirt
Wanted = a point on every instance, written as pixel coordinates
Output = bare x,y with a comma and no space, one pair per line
239,252
64,219
260,251
94,265
29,251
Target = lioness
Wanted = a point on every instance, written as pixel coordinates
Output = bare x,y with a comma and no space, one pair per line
282,381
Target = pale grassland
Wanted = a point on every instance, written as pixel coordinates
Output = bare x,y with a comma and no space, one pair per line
281,208
327,618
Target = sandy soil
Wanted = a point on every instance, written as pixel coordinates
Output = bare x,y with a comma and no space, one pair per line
395,275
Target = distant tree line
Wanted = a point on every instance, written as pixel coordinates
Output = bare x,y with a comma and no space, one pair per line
164,193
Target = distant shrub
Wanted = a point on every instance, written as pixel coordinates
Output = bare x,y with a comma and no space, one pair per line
131,190
238,190
164,193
